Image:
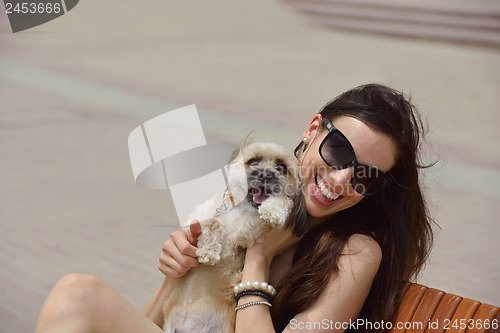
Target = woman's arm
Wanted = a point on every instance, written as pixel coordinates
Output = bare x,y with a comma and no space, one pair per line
340,302
177,257
257,265
254,318
154,307
346,293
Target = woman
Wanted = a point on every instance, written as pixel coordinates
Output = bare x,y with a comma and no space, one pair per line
370,232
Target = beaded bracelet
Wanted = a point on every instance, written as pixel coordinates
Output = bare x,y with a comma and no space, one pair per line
254,292
246,305
262,286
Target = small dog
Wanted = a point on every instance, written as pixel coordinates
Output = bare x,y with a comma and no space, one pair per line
265,188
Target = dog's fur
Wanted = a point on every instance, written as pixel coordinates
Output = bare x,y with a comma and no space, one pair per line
265,187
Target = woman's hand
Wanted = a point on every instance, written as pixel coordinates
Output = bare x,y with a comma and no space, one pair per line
274,243
178,254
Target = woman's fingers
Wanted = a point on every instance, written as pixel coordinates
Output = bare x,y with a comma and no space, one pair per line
272,244
178,254
181,244
170,267
194,232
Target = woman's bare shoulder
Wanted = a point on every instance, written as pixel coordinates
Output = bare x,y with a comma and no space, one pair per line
363,249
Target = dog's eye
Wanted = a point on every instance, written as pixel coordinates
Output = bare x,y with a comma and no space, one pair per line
253,162
282,168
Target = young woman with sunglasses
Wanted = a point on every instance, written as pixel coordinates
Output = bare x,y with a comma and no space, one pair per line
370,233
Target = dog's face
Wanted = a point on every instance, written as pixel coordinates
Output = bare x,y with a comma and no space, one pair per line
262,170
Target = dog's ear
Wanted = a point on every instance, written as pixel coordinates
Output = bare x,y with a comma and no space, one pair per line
248,139
298,219
234,155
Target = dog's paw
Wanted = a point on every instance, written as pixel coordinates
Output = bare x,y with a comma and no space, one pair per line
209,256
273,219
274,214
275,211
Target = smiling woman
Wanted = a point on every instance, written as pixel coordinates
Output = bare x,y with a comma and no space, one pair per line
368,136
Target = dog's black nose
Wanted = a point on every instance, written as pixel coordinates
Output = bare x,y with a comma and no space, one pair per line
268,174
263,174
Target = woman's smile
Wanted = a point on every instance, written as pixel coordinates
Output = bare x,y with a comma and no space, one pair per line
321,192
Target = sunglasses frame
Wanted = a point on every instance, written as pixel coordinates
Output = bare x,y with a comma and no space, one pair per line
354,163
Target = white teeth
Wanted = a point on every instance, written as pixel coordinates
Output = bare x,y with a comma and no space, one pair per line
324,190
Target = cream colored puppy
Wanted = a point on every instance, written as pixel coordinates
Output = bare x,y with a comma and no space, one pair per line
265,188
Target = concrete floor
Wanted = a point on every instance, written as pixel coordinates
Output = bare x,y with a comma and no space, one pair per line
73,89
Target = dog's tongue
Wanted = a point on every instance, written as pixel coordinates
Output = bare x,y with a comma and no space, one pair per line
260,197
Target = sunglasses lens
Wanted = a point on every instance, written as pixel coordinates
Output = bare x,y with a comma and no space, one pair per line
338,153
368,180
336,150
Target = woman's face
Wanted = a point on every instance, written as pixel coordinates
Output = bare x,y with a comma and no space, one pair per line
371,148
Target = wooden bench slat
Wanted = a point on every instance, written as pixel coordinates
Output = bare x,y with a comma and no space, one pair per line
482,320
425,310
444,311
465,311
412,296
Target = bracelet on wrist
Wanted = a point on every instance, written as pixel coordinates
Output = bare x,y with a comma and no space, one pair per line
262,286
254,292
246,305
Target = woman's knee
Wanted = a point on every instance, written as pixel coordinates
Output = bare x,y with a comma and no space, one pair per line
79,288
75,299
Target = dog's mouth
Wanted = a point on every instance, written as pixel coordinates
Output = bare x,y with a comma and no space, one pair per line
259,195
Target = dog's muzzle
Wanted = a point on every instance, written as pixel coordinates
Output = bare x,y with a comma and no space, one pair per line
261,185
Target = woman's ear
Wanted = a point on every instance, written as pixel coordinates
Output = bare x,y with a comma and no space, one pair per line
312,129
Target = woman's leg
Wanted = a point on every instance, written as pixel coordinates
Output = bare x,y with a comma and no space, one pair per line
83,303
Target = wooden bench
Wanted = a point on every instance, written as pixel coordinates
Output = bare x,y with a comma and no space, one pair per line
425,309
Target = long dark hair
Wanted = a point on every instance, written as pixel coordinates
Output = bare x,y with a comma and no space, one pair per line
397,217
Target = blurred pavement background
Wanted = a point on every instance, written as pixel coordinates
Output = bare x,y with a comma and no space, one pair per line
72,90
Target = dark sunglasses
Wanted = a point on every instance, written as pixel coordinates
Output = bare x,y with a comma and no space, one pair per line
338,153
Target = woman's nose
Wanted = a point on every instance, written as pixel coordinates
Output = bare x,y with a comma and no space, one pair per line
341,179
